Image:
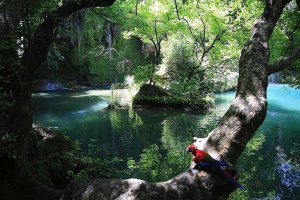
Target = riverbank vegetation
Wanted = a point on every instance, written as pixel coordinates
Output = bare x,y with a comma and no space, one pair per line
176,53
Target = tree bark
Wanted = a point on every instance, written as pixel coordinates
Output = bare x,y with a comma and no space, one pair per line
249,108
227,141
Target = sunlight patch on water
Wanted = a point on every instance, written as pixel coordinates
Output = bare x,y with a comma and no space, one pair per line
44,95
281,94
99,106
105,93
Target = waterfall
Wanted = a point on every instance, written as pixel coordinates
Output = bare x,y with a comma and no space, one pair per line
273,78
50,85
109,38
78,33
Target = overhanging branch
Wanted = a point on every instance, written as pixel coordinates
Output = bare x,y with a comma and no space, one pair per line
284,62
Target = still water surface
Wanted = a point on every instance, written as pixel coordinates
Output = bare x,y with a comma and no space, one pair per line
153,140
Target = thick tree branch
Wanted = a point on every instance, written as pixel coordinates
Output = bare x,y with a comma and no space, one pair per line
187,185
249,109
284,62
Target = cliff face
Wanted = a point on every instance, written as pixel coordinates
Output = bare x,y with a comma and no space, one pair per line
90,49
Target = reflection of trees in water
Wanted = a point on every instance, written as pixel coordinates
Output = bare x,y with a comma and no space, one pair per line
133,132
153,143
249,165
163,159
265,168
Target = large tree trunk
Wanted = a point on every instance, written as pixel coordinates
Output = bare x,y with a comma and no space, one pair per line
249,108
227,141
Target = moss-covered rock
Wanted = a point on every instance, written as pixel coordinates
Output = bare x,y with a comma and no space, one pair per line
54,160
151,95
48,153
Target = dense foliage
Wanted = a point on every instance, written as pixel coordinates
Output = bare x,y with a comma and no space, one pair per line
188,48
141,38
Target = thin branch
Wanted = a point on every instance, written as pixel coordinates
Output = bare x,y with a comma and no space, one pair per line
217,38
155,45
184,19
190,29
204,31
177,10
284,62
155,30
205,51
136,7
153,42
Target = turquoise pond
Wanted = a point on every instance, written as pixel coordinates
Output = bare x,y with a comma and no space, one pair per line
152,141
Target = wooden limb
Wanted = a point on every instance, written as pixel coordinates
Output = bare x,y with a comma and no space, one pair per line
205,51
284,62
199,41
190,29
188,185
249,108
204,33
217,38
154,44
136,6
177,10
157,39
186,21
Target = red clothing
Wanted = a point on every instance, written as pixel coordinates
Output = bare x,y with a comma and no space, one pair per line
199,154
